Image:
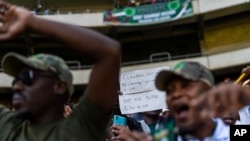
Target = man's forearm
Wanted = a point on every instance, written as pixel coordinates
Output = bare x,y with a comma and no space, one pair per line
82,39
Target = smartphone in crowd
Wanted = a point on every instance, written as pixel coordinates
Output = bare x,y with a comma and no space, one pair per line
120,120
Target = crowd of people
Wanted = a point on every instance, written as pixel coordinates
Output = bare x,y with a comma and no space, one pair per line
198,109
132,3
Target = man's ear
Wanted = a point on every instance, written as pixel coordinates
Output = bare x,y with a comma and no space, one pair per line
60,88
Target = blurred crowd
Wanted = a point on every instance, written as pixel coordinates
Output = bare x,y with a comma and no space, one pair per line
132,3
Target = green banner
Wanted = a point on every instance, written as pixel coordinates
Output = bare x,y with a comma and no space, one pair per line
149,14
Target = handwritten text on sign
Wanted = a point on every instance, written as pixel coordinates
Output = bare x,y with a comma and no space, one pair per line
139,80
146,101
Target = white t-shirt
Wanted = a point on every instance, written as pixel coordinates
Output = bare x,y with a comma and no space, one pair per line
244,114
146,128
221,133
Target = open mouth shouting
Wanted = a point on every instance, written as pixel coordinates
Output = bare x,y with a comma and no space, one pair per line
181,111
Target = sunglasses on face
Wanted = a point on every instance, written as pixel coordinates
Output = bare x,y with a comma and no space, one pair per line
28,76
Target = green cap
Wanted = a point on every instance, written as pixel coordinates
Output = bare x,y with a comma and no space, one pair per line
188,70
12,63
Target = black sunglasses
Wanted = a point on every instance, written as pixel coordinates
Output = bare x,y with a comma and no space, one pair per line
27,77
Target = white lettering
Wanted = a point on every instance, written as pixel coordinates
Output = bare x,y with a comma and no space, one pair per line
240,132
167,13
154,15
137,17
243,131
145,21
165,18
237,132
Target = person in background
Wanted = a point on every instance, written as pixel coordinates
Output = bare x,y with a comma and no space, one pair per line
133,130
43,83
132,123
116,132
151,121
136,116
165,113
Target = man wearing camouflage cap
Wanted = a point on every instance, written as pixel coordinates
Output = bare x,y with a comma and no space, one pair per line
183,84
43,83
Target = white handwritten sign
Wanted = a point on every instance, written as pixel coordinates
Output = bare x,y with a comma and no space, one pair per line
139,80
146,101
139,91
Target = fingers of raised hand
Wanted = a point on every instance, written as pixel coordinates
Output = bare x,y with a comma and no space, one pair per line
2,12
224,98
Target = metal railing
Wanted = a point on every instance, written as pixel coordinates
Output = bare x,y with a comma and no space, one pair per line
76,66
168,58
151,57
154,57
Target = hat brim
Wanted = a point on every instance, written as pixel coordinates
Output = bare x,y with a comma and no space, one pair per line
164,77
13,63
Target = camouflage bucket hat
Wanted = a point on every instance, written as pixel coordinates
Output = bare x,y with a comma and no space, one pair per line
188,70
12,63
